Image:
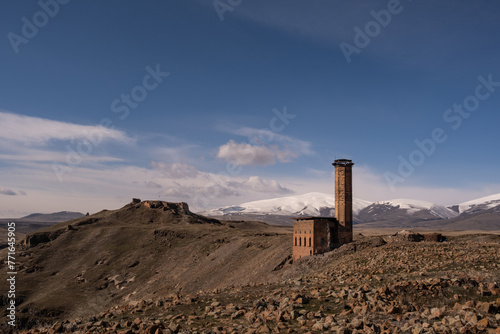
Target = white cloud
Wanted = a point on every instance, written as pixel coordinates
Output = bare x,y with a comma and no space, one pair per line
31,146
285,156
10,192
110,187
325,21
39,131
97,187
210,190
258,184
281,142
371,185
170,152
200,195
27,139
317,172
245,154
176,170
264,147
42,155
152,184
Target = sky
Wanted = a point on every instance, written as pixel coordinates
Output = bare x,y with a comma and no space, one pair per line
222,102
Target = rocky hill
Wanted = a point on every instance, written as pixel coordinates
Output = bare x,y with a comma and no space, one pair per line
143,250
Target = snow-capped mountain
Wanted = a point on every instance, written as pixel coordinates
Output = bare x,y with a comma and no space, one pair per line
405,213
479,204
415,206
310,204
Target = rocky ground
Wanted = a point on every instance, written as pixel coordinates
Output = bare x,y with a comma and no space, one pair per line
374,285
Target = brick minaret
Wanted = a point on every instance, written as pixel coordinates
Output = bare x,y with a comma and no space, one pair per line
343,197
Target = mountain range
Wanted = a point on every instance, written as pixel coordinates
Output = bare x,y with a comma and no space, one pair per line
477,214
391,213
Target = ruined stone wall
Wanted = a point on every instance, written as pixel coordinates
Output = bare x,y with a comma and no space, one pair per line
325,235
166,206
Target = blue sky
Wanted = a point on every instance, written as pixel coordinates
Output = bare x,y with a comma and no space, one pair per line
221,102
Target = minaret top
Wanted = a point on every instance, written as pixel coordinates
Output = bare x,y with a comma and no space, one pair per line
343,162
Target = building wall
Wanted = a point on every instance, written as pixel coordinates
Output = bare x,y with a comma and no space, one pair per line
325,233
303,235
320,236
344,234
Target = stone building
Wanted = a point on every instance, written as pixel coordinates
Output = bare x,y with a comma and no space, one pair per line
317,235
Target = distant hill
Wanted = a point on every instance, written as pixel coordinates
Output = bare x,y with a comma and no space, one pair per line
485,220
56,217
34,222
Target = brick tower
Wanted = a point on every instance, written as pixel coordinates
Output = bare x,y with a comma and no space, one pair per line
318,235
343,198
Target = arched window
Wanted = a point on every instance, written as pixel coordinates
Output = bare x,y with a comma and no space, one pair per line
300,241
305,243
295,241
309,242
